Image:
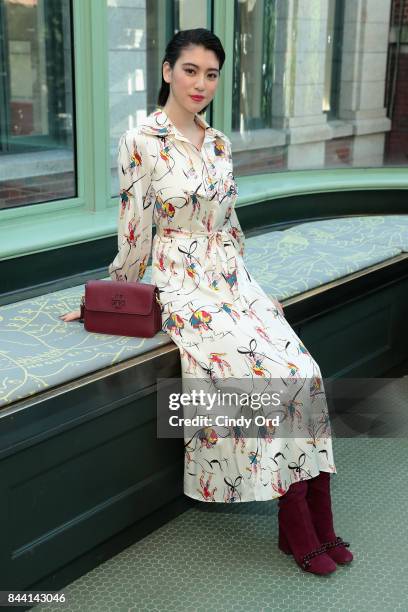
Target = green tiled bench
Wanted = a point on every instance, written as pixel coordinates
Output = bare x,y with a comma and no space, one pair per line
39,351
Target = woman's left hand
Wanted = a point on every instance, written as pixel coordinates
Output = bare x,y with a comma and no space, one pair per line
71,316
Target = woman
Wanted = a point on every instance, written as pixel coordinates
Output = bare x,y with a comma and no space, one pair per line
176,171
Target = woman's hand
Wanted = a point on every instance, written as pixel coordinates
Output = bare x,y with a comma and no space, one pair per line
279,306
71,316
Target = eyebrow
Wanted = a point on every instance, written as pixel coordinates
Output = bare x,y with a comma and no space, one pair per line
195,66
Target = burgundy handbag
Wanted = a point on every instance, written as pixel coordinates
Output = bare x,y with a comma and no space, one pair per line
121,308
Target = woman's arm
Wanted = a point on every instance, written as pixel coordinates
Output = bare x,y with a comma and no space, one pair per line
135,215
236,230
234,226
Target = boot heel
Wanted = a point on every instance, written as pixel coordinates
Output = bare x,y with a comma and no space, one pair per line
283,543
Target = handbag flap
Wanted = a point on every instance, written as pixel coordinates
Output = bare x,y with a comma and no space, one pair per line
120,297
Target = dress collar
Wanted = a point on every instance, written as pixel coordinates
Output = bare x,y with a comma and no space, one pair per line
158,124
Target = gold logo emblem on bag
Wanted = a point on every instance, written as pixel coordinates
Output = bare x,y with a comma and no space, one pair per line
118,301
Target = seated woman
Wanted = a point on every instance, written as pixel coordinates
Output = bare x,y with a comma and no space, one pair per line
176,170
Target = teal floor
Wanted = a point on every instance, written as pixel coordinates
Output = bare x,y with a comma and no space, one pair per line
225,557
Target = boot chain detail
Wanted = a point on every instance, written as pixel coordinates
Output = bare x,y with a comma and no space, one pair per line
313,553
337,542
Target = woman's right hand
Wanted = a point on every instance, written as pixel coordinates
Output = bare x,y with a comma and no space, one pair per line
71,316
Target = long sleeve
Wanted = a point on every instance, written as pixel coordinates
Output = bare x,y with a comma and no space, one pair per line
135,215
234,226
236,230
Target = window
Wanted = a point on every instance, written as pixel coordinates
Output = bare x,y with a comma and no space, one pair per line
138,33
36,102
318,85
334,38
254,41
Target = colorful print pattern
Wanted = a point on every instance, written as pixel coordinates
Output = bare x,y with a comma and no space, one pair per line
214,310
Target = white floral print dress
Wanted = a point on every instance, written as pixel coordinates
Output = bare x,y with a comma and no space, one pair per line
224,324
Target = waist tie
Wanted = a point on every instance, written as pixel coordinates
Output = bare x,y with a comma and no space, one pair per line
221,261
174,232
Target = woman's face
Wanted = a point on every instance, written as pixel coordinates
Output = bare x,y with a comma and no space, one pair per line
195,73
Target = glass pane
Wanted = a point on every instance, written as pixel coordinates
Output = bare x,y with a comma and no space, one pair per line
254,40
138,32
319,84
36,102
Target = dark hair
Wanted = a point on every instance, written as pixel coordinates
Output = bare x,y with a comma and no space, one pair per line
181,40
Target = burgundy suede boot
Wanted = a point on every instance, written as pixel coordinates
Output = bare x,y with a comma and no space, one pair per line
319,502
297,535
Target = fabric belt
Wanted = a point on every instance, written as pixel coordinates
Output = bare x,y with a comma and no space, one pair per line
174,233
